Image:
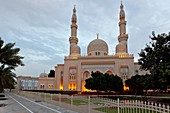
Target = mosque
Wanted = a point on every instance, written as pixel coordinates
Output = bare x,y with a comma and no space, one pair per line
71,75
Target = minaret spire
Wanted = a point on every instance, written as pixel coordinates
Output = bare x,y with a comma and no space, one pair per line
122,22
97,35
74,48
74,17
73,39
121,6
122,12
123,37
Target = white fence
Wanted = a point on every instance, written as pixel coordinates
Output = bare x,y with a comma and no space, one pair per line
96,104
131,106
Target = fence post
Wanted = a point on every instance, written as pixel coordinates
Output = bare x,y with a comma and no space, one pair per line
45,94
89,104
117,105
71,100
156,107
168,109
159,107
51,97
163,108
149,107
141,105
145,106
60,99
37,96
152,107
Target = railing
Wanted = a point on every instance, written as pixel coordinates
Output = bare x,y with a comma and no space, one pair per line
121,55
142,106
97,104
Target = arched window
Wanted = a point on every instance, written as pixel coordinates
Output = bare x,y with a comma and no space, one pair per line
124,71
86,75
109,72
98,53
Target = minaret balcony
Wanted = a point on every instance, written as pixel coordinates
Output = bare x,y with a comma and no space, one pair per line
124,55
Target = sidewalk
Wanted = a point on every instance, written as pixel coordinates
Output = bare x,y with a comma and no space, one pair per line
13,107
10,107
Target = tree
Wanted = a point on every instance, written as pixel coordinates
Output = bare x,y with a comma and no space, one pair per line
155,58
95,82
9,55
8,78
104,82
9,60
135,82
52,73
118,83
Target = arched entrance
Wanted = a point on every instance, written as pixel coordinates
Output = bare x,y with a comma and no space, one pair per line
86,75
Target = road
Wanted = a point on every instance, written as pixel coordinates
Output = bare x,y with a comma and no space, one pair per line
20,104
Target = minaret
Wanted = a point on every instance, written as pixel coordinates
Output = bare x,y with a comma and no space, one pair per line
122,22
73,39
74,48
122,48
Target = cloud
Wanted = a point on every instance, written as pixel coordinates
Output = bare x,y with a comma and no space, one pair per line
41,28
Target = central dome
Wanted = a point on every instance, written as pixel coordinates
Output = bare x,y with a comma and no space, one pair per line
97,45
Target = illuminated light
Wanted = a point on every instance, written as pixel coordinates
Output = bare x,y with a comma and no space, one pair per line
125,87
74,57
79,92
61,87
72,86
123,55
50,86
86,90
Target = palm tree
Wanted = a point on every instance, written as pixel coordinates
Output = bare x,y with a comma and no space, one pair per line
9,60
7,78
9,55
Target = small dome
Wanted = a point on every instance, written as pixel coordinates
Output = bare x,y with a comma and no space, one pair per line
97,45
43,75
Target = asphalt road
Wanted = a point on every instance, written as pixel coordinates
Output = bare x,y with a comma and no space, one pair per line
20,104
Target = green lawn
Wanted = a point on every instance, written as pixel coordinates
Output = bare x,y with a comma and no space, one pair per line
79,102
76,102
126,110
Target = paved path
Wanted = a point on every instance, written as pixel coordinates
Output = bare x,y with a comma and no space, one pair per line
19,104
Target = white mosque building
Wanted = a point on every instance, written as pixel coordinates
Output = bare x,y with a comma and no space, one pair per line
71,75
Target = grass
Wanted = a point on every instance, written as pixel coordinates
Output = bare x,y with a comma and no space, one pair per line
99,103
76,102
125,110
143,98
79,102
106,110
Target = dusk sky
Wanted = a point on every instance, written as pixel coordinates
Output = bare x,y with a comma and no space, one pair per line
41,28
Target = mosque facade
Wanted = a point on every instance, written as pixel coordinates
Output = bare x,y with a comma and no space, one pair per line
71,75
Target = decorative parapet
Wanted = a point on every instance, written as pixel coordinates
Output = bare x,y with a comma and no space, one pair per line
124,55
118,55
71,57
